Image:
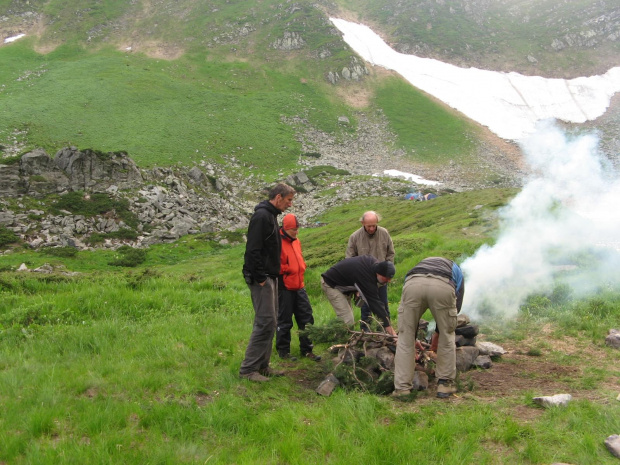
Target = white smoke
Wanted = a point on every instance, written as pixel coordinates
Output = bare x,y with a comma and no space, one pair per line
564,224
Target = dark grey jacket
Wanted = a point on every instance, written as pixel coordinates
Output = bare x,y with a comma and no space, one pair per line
357,273
262,250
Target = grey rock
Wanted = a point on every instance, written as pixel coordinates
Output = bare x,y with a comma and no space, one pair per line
462,320
327,386
196,175
465,357
36,162
483,361
557,400
420,381
7,218
386,358
290,41
613,445
612,339
46,268
490,349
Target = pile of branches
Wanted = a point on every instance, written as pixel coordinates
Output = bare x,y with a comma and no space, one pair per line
364,360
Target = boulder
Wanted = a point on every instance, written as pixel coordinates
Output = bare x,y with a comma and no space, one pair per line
327,386
558,400
490,349
465,357
613,338
613,445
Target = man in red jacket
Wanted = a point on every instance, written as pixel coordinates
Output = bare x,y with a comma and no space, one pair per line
293,299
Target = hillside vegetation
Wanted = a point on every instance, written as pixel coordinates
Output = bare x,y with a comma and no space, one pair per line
534,37
140,366
193,82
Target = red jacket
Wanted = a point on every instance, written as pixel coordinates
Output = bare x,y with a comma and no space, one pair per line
292,264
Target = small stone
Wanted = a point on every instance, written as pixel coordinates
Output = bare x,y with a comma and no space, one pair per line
483,361
490,349
613,339
613,445
558,400
420,381
328,385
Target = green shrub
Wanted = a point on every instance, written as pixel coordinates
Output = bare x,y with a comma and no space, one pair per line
64,252
123,234
129,257
7,236
78,203
325,170
11,160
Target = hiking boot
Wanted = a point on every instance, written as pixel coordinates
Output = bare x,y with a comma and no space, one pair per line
401,392
445,389
254,376
270,372
311,356
287,356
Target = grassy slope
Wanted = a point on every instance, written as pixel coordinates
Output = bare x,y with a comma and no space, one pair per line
160,112
226,96
499,35
140,366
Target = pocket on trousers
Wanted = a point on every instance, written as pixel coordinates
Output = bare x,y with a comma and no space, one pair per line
452,313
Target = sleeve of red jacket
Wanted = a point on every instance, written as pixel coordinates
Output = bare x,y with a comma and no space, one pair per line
284,266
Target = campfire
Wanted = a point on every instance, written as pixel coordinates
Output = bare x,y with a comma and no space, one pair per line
366,360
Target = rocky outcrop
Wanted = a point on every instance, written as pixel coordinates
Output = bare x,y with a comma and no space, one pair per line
96,171
169,203
354,72
290,41
37,174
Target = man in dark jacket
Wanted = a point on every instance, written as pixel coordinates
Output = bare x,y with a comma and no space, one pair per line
437,284
361,277
261,268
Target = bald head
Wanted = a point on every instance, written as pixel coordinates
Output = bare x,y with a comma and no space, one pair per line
369,221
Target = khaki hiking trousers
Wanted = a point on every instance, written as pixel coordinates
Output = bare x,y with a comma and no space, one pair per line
422,292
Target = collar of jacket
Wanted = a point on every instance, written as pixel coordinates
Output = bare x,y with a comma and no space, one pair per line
286,236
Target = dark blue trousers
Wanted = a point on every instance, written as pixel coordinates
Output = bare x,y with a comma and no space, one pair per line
293,304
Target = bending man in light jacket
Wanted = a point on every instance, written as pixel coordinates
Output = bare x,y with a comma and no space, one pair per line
437,284
371,239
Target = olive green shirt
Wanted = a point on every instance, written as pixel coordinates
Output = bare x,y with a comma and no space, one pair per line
379,245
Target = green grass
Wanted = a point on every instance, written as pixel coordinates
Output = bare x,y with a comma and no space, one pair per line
140,366
159,112
421,123
222,98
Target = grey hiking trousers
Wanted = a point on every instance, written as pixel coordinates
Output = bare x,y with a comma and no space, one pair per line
265,302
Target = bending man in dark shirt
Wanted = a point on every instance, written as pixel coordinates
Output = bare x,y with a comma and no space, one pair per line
360,276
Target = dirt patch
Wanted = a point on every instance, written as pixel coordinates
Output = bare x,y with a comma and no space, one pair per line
515,374
158,50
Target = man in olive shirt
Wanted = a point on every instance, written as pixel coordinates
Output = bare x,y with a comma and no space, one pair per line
372,239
